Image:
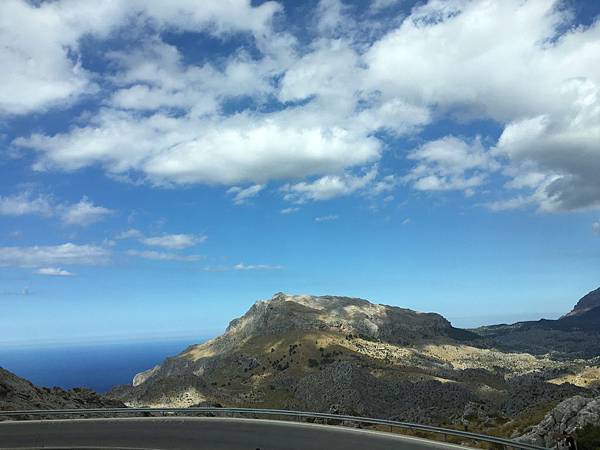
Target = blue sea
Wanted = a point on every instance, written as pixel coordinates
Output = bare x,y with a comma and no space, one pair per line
95,366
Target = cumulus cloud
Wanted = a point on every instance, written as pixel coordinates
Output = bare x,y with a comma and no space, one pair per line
322,108
54,255
244,148
241,195
25,203
83,213
163,256
327,187
289,210
450,163
46,71
53,272
174,241
542,87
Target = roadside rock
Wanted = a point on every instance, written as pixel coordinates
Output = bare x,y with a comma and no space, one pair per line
569,415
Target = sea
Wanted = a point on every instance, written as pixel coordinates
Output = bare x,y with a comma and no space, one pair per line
99,367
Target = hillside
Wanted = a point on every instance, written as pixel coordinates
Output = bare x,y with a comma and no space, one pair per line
352,356
19,394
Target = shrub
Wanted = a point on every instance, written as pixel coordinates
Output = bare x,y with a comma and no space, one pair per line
588,437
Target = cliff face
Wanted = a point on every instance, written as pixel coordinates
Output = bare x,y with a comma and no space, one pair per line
355,357
19,394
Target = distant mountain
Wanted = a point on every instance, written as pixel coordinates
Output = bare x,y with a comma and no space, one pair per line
574,335
329,353
586,304
19,394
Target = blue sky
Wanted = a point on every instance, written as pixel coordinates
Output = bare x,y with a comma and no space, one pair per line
166,164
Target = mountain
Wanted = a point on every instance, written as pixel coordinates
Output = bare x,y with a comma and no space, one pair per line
586,304
19,394
329,353
574,335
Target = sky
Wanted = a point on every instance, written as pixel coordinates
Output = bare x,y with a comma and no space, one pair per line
163,165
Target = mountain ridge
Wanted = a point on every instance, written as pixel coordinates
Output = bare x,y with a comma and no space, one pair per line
324,352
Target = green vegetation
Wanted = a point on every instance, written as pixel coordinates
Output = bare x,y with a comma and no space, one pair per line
588,438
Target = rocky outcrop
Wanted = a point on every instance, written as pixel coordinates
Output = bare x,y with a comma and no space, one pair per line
569,415
19,394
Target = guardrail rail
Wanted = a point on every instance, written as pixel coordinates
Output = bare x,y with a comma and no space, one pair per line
445,432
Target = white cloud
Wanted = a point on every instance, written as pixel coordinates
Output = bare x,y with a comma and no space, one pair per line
83,213
328,218
506,61
174,241
24,203
243,148
596,227
163,256
289,210
327,187
242,266
383,4
450,163
53,272
42,256
510,203
406,221
41,42
240,195
518,63
132,233
384,185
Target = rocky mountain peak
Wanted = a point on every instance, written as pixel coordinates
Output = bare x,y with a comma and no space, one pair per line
588,302
283,313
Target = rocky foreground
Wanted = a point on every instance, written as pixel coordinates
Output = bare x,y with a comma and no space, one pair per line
568,416
351,356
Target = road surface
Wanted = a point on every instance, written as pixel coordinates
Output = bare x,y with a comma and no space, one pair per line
200,433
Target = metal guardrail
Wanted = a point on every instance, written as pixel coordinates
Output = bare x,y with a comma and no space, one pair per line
506,443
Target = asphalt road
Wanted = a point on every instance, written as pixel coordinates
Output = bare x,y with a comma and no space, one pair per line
200,433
